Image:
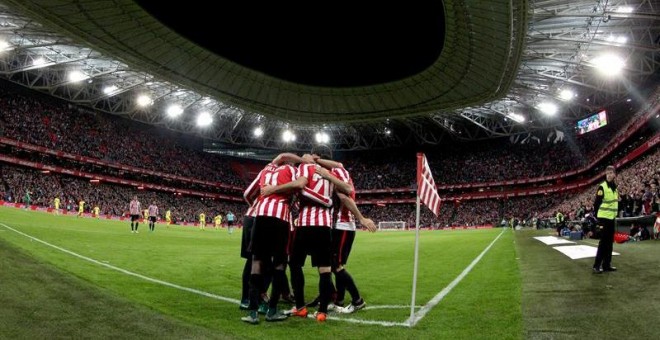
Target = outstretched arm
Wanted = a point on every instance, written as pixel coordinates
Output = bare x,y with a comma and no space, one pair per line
287,157
298,184
328,164
350,204
340,185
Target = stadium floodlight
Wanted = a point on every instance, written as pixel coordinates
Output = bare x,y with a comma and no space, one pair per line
608,64
174,111
322,137
516,117
41,61
288,136
3,45
76,76
204,119
144,100
110,89
624,9
566,94
388,132
548,108
258,131
622,39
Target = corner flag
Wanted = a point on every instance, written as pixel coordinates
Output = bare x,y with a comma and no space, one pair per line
427,193
426,189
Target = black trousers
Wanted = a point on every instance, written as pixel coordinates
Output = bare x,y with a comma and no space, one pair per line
605,246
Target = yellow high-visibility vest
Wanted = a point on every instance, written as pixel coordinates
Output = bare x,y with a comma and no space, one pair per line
610,206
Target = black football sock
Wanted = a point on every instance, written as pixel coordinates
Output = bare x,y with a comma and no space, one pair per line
348,282
298,284
255,288
246,280
326,288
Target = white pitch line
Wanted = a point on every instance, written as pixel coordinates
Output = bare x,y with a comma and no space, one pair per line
413,320
127,272
199,292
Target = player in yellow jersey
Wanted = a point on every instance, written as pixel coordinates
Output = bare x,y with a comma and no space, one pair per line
96,212
145,214
81,208
168,218
56,205
202,221
217,221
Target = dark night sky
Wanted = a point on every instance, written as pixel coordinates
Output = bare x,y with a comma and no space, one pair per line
331,44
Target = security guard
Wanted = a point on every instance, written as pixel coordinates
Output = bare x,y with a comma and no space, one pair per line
559,219
606,207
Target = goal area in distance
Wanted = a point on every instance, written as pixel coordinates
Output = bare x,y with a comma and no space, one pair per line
391,225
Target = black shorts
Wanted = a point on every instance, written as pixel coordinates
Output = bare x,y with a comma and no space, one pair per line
314,241
269,239
248,222
230,223
342,243
152,219
135,218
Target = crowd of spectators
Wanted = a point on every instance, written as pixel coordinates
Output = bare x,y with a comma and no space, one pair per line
61,126
638,184
111,199
479,162
82,166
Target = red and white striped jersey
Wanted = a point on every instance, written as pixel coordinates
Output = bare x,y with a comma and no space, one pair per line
276,205
134,207
252,210
345,219
153,210
252,192
251,195
315,198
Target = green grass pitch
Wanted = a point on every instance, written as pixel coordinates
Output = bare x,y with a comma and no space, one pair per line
94,278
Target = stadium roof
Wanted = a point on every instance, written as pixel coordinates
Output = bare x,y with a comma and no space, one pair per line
498,61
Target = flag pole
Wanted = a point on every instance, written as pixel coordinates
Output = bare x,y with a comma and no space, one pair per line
417,212
414,287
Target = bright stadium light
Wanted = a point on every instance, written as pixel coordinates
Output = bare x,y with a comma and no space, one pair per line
624,9
3,45
258,131
608,64
76,76
548,108
204,119
288,136
516,117
322,138
39,61
174,111
144,100
110,89
566,94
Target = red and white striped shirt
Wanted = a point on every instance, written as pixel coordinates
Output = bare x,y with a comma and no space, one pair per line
153,211
134,207
251,194
276,205
315,198
345,218
252,210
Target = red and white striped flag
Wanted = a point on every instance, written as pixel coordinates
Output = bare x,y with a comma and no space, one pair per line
426,189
